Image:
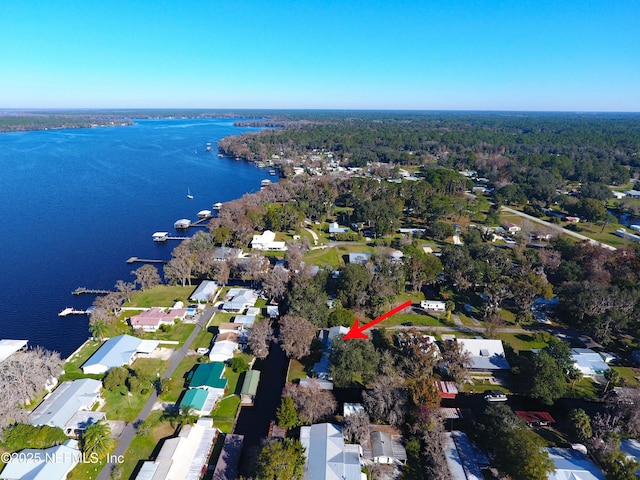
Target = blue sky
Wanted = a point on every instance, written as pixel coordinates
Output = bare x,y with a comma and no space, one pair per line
560,55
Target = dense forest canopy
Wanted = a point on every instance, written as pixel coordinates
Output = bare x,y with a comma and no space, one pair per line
502,146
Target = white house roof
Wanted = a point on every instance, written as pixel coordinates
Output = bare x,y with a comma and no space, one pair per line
588,362
485,354
385,445
50,464
222,351
327,456
60,407
572,465
205,291
116,352
9,347
183,457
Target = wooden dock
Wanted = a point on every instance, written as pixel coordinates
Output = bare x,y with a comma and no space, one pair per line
81,290
144,260
71,311
177,238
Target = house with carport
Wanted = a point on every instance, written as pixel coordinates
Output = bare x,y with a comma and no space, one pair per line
117,352
70,407
209,379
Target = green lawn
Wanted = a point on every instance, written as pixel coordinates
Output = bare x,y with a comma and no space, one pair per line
178,333
224,413
72,364
142,446
323,257
121,405
628,376
521,341
417,320
161,296
296,370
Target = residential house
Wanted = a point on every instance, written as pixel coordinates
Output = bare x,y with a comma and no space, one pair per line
386,446
116,352
464,459
447,390
359,257
238,299
572,464
321,368
589,363
246,321
185,456
335,228
209,376
9,347
224,347
486,355
205,292
511,227
53,463
327,456
266,241
70,406
222,254
535,419
230,327
151,320
435,305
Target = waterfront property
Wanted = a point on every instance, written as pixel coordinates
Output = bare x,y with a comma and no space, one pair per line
327,456
52,463
117,352
185,456
209,376
69,407
152,319
239,299
9,347
266,242
160,236
249,387
224,347
205,292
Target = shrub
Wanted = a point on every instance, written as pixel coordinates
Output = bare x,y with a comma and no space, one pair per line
22,436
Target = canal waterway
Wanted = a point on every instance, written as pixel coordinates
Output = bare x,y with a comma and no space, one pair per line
76,204
253,422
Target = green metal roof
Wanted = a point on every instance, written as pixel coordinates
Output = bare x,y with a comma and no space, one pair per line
195,398
209,375
250,384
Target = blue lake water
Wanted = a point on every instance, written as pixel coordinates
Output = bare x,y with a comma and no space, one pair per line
76,204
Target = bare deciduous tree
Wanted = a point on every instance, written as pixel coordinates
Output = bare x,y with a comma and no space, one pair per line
312,402
356,427
22,377
125,289
275,282
259,338
455,360
296,336
386,400
147,276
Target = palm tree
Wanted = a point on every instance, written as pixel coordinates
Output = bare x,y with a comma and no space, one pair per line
98,330
97,440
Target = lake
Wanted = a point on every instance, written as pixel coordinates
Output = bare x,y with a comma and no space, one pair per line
76,204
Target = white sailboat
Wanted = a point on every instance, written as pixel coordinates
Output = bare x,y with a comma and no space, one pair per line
189,196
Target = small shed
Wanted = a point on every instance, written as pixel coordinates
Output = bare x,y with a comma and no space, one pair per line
249,387
447,389
536,419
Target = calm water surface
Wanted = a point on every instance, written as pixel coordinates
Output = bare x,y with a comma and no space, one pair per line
76,204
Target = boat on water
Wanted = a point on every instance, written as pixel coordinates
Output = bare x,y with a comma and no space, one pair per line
208,147
220,155
264,183
272,172
189,196
217,206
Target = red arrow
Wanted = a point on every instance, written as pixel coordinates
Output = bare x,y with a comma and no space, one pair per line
356,331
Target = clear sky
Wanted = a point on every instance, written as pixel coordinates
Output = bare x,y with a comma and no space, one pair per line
561,55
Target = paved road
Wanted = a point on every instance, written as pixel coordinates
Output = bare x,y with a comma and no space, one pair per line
557,228
129,431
